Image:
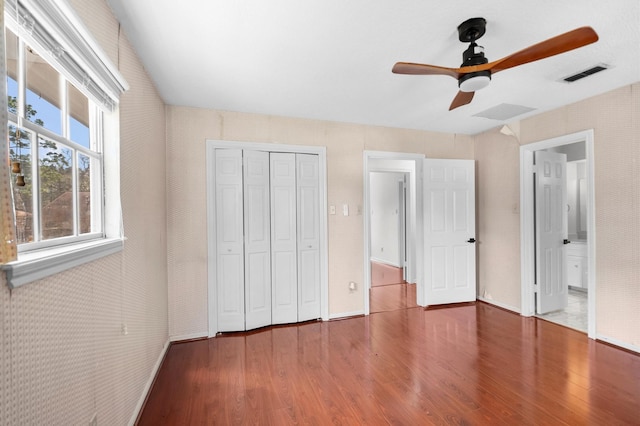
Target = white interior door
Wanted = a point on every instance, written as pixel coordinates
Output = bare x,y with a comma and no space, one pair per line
229,240
449,223
307,182
284,270
551,231
257,248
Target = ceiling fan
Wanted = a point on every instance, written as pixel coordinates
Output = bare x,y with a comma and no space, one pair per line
476,70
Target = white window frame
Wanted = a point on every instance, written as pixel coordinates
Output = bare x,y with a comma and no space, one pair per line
37,131
58,35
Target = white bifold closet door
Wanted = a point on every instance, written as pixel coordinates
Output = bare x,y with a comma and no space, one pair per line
257,243
308,237
229,240
284,244
267,224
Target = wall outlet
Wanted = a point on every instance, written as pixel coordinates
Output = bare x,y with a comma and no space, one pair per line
124,329
353,286
332,209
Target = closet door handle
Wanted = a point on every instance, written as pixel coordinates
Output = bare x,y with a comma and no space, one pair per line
471,240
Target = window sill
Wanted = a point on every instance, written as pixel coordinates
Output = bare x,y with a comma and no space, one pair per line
40,264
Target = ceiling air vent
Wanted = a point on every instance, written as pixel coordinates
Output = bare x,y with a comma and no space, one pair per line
504,112
585,73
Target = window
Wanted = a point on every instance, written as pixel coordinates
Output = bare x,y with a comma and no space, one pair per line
56,152
63,134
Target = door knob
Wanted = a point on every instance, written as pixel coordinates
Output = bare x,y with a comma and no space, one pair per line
471,240
565,241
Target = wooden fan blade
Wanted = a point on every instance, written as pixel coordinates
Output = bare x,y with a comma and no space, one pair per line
462,98
424,69
553,46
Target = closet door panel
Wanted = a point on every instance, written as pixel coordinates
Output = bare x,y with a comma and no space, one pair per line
257,239
283,238
229,240
308,230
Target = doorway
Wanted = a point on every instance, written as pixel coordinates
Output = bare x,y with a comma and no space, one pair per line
396,248
388,217
578,250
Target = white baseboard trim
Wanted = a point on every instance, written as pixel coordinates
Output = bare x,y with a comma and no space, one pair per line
346,315
191,336
147,387
499,304
619,343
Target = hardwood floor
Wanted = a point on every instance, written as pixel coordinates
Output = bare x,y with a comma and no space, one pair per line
389,292
471,365
392,297
382,274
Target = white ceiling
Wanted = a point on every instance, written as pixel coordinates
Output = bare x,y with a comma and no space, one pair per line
332,59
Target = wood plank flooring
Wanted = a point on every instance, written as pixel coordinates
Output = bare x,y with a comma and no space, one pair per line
392,297
382,274
471,365
389,292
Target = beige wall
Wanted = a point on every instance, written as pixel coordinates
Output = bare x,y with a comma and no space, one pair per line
187,130
615,118
62,355
498,218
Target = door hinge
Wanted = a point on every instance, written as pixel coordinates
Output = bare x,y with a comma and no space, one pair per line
536,288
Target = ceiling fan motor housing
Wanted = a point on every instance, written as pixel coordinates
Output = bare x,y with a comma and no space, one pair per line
474,55
470,82
470,31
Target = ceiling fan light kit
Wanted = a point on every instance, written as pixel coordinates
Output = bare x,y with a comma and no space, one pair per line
474,81
476,70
